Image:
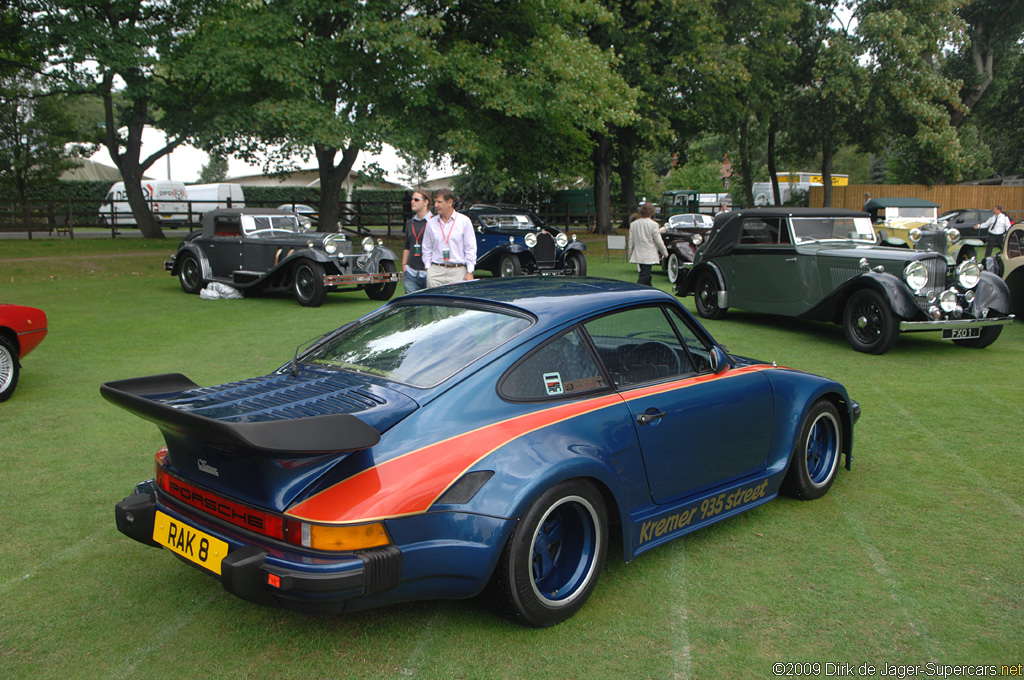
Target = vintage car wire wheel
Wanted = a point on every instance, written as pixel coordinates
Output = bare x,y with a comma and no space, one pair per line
672,267
575,264
9,368
989,334
509,265
190,274
383,291
815,459
870,325
554,557
705,296
308,283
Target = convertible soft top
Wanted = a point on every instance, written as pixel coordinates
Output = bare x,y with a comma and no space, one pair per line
725,231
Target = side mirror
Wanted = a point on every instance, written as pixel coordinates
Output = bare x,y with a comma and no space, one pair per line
719,360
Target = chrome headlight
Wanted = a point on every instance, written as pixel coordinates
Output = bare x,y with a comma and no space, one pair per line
952,234
915,234
916,275
561,240
329,245
947,300
968,273
368,244
531,240
697,239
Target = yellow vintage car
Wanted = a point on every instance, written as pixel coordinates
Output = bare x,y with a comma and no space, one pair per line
1008,263
893,219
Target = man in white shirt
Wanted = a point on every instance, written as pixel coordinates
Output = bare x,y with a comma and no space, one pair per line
997,226
449,244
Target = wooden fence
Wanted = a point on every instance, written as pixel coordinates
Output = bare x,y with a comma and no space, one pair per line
948,196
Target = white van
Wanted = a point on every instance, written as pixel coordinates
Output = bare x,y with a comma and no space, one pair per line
204,197
166,199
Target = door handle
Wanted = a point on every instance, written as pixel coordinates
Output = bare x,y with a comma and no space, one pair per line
790,259
645,418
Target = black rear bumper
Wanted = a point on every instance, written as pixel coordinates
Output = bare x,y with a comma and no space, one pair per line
246,573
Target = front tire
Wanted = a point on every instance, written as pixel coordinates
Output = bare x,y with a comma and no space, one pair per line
9,367
672,267
989,334
815,459
705,296
509,265
383,291
575,264
190,274
554,557
308,284
870,325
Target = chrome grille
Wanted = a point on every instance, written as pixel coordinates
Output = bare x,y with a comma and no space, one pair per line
936,275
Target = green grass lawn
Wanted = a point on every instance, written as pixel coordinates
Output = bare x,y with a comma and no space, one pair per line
913,557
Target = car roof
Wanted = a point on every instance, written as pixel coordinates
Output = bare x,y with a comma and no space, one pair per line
899,202
553,299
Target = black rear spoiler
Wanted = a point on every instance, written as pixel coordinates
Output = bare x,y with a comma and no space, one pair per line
315,435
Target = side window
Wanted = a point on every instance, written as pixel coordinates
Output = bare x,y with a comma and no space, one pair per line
763,231
563,367
700,353
639,345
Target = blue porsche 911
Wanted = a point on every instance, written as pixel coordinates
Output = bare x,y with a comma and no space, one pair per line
484,436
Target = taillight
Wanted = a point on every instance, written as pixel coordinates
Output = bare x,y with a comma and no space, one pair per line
337,537
241,515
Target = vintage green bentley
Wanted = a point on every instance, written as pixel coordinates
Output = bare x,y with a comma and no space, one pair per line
824,264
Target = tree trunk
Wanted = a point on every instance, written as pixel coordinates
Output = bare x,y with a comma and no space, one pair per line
602,183
827,154
772,173
748,186
331,178
626,167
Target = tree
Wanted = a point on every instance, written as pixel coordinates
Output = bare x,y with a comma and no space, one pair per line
518,91
215,170
126,53
994,29
313,78
35,135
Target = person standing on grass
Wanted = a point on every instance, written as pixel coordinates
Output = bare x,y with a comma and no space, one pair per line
449,244
997,226
412,253
646,248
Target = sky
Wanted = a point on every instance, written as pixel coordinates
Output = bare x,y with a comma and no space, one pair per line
186,162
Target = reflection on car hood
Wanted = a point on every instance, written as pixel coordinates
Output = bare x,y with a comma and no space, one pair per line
314,392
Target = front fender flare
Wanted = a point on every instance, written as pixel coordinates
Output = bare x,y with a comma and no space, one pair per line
992,293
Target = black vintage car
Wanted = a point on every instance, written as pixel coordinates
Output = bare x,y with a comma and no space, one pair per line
682,235
511,240
824,264
266,249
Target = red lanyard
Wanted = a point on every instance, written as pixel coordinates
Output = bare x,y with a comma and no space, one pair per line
440,225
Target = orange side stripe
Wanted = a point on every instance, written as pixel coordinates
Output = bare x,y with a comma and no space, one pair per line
412,482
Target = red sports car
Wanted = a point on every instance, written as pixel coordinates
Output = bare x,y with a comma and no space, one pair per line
21,330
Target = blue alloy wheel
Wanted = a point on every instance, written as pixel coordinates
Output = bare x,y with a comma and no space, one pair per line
554,557
815,458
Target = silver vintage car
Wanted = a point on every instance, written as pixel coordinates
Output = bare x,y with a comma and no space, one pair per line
267,249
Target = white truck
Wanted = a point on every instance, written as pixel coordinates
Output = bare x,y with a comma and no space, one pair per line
166,200
205,197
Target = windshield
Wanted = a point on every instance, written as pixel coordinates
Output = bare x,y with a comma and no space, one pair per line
518,221
260,225
807,229
417,344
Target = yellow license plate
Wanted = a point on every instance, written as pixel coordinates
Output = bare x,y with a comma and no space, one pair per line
194,545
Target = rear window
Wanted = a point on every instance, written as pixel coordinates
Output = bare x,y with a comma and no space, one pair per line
421,344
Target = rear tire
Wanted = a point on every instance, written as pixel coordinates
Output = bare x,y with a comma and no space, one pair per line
554,556
190,274
705,296
815,459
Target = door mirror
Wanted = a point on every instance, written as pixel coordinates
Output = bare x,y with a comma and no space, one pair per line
719,360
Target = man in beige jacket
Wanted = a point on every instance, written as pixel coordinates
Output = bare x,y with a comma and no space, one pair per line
646,248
